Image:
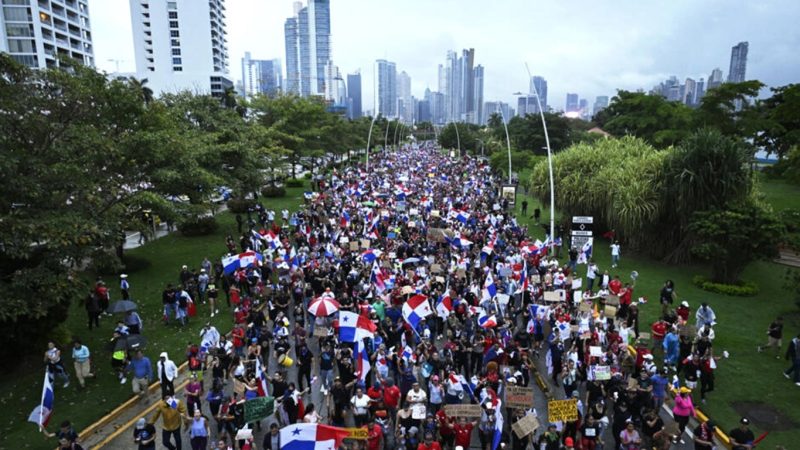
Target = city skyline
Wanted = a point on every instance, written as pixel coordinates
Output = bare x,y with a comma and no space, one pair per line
636,49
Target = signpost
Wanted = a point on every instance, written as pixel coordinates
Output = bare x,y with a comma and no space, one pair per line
581,230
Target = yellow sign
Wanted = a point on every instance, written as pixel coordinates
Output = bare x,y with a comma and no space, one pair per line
562,410
357,433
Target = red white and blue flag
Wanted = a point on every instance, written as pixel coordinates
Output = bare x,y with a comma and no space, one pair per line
41,414
241,261
362,361
416,309
355,327
261,379
489,288
311,436
370,255
444,306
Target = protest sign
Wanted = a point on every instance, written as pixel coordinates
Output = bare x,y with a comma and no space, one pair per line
354,246
595,351
463,410
360,434
438,234
258,408
577,283
585,307
599,373
525,426
320,332
413,211
577,297
436,268
536,279
519,396
612,300
562,294
562,410
502,298
551,296
435,213
365,243
611,311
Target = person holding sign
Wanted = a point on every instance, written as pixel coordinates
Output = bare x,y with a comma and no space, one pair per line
590,432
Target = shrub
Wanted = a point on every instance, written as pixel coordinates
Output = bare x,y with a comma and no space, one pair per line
273,191
741,289
294,183
790,219
198,226
240,205
307,175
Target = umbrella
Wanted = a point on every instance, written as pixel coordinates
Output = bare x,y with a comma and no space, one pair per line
122,306
323,306
368,203
130,342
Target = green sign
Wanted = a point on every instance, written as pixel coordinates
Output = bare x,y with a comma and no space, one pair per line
258,408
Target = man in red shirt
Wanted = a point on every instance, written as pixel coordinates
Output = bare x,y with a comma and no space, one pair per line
463,430
428,443
374,435
615,285
391,396
625,295
445,428
659,330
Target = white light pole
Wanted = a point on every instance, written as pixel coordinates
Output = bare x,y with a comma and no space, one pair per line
458,139
508,141
374,112
549,158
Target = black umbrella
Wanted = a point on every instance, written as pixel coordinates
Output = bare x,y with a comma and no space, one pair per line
130,342
122,306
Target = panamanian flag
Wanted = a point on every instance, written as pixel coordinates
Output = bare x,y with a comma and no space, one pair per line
311,436
355,327
416,309
41,414
489,288
241,261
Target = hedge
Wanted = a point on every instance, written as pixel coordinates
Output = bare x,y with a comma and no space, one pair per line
294,182
742,289
273,191
240,205
198,226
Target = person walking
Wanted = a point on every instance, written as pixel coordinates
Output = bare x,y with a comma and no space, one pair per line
683,410
705,316
167,372
774,337
615,253
199,431
124,286
173,414
92,306
142,371
793,355
54,364
81,361
144,435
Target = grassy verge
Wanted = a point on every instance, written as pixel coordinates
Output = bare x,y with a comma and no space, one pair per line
747,376
21,382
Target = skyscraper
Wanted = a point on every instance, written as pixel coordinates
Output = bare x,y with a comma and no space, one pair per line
526,104
499,108
335,90
715,79
181,45
405,110
261,76
689,92
477,115
600,103
572,103
539,87
37,33
701,91
354,95
736,72
468,84
307,39
387,88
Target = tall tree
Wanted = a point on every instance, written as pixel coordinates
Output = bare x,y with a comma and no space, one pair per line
782,126
651,117
730,108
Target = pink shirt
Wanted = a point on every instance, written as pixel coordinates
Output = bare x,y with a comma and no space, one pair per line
683,406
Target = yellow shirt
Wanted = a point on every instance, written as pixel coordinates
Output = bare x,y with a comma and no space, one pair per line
172,416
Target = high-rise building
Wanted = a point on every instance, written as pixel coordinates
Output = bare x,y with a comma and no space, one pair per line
423,111
335,90
572,103
701,91
583,108
736,72
405,109
37,33
715,79
307,39
538,87
501,108
526,104
261,76
468,83
689,92
387,88
600,103
477,114
438,116
354,95
181,45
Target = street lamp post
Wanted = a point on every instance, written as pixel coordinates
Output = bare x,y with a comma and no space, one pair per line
549,158
374,111
508,143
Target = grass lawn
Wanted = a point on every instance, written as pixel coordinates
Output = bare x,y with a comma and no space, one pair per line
746,375
780,194
21,383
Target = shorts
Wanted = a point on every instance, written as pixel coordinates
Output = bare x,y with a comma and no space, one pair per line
774,342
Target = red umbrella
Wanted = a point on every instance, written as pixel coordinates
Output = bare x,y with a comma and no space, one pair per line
323,306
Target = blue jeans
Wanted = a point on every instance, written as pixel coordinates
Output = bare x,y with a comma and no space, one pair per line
614,259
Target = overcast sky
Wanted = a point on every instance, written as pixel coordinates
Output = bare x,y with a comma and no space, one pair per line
588,47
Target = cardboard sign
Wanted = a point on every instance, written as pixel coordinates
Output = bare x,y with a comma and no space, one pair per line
611,311
595,351
438,234
562,410
407,290
435,213
360,434
354,246
599,373
687,331
576,284
320,332
519,396
585,307
463,410
436,268
258,408
573,328
633,384
644,335
418,412
612,300
525,426
365,243
535,278
551,296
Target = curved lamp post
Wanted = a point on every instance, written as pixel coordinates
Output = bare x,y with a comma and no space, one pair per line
508,143
549,158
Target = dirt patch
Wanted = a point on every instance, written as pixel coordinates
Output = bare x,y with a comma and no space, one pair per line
764,416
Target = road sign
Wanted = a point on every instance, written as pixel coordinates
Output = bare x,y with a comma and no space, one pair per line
581,231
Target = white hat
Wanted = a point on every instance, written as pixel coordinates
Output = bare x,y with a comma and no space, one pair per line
124,275
184,266
685,303
202,270
140,424
163,355
648,356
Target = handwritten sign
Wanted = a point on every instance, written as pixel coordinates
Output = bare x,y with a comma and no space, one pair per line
436,268
320,332
354,246
525,426
361,434
551,296
612,300
562,410
535,278
585,307
258,408
463,410
599,373
595,351
611,311
519,396
365,243
577,283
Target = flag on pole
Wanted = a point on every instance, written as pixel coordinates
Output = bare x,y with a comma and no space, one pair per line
489,288
416,309
355,327
311,436
498,425
261,379
585,253
241,261
362,361
444,306
41,414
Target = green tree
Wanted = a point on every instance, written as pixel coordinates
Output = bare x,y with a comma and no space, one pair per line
782,125
651,117
734,237
718,109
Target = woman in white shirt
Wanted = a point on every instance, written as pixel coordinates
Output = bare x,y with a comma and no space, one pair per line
311,414
360,404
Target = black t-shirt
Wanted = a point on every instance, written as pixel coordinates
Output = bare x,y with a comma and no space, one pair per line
705,434
146,433
741,436
776,330
648,430
279,388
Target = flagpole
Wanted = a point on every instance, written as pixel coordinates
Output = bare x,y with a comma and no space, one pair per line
41,404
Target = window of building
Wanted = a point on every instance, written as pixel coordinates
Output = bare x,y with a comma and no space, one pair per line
176,52
174,33
16,29
173,14
28,60
21,46
177,69
176,61
172,6
13,14
15,2
175,42
173,24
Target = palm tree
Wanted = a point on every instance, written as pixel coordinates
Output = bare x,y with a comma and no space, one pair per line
145,92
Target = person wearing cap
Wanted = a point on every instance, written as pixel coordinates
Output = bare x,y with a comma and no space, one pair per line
436,393
124,286
742,437
173,414
704,436
167,372
144,435
550,439
683,409
683,312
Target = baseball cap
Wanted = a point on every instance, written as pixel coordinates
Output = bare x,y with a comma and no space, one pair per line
569,442
163,355
745,421
140,424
